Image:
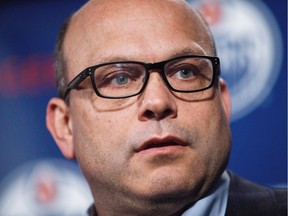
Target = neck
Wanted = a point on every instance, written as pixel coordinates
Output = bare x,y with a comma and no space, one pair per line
164,207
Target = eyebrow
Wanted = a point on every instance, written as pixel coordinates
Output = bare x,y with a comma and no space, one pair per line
183,52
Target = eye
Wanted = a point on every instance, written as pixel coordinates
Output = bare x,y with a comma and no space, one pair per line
116,79
120,79
184,74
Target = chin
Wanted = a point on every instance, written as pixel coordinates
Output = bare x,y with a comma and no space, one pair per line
173,185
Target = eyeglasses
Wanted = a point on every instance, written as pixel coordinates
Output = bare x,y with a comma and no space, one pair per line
125,79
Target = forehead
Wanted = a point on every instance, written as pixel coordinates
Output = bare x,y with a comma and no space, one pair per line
136,30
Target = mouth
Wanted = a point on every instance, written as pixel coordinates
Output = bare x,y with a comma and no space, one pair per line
161,143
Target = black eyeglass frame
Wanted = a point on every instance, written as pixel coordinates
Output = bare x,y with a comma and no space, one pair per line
89,71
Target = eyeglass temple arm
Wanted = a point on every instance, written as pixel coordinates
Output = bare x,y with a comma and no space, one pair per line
77,80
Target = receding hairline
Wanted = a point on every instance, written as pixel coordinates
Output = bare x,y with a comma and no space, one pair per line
197,23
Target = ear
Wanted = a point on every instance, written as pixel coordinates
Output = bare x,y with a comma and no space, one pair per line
225,96
59,124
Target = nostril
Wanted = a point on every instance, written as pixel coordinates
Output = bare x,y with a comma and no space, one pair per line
166,113
158,115
149,114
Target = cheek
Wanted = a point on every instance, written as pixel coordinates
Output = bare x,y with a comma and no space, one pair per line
97,139
211,129
218,137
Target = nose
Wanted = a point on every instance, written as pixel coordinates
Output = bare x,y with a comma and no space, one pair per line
156,102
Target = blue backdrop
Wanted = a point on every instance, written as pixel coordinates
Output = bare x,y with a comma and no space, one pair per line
259,150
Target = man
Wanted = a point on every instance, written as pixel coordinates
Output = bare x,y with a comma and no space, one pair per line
148,119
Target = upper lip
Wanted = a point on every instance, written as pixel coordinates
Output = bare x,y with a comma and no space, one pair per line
159,142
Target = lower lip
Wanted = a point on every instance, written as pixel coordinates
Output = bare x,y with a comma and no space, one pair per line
173,149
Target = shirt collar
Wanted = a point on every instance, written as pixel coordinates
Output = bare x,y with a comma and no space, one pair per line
215,202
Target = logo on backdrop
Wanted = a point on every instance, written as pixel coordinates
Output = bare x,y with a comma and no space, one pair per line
29,75
46,187
249,45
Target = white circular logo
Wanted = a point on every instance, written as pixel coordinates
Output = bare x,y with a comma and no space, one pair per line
249,45
45,188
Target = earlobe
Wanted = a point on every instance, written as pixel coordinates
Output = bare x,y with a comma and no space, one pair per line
58,123
225,96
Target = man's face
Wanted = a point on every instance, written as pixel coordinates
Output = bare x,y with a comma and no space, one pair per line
157,144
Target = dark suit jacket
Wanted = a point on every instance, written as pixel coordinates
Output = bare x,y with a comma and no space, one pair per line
249,199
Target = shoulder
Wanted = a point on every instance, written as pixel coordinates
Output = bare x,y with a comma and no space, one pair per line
248,198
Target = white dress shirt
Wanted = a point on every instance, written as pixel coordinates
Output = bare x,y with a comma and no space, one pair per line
214,204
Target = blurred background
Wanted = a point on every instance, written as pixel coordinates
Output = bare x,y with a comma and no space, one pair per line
35,179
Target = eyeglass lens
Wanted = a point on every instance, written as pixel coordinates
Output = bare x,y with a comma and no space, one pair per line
124,79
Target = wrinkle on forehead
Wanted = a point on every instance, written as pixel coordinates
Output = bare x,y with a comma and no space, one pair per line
105,11
100,13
